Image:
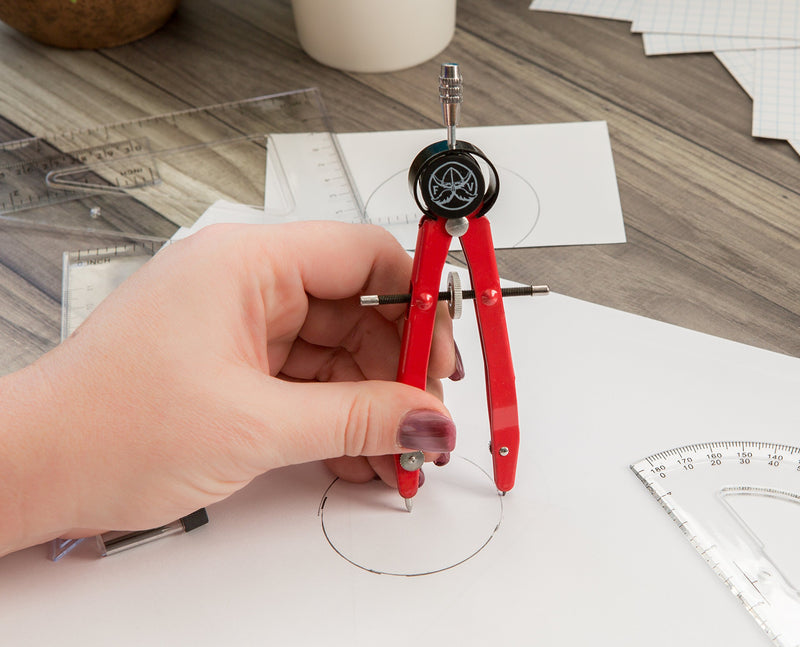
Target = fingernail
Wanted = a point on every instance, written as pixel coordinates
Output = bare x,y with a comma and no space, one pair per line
444,459
421,478
427,430
458,374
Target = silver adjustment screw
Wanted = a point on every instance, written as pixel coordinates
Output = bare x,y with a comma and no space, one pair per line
412,461
455,301
451,95
456,227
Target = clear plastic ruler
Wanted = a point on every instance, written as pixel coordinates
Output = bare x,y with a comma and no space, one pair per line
135,176
90,276
738,503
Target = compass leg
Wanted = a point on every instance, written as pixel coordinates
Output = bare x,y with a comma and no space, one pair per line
501,393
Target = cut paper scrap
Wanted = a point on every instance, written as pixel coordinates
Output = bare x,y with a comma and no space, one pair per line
753,18
776,94
742,67
221,212
582,555
612,9
558,184
659,44
768,31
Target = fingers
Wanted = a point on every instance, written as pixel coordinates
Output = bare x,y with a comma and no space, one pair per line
442,361
335,264
307,363
366,468
384,469
371,339
333,260
291,423
322,364
361,469
355,469
305,278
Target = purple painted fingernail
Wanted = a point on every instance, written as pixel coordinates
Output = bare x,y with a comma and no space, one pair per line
427,430
444,459
421,478
458,374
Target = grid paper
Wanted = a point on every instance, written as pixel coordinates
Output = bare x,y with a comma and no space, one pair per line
658,44
776,94
754,18
724,27
741,65
612,9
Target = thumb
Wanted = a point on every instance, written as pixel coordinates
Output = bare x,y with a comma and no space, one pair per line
320,420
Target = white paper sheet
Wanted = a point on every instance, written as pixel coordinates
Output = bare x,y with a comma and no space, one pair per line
613,9
776,95
754,18
221,212
742,67
583,554
658,44
558,185
769,27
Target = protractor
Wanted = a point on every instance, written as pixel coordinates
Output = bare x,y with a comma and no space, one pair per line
738,503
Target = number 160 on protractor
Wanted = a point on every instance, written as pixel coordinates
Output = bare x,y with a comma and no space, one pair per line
738,503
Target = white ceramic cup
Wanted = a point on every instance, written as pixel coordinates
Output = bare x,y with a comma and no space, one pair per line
374,35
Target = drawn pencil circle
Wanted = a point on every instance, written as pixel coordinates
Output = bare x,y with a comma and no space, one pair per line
392,206
455,516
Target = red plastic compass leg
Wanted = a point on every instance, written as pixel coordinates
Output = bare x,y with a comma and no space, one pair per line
501,393
433,243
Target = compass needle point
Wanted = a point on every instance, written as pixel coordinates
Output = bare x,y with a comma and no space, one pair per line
454,184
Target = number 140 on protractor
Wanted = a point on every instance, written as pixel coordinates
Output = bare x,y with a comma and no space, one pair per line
738,503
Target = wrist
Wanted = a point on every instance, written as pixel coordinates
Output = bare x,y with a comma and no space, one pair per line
34,489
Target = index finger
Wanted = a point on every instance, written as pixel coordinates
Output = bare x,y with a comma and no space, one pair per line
337,260
325,265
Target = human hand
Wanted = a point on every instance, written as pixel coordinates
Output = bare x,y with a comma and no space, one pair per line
233,352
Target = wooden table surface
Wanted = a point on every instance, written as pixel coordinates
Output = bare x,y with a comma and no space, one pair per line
712,215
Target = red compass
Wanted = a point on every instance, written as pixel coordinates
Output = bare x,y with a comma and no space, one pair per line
454,184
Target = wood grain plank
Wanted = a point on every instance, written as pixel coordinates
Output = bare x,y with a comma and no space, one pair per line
30,290
209,54
711,214
691,95
47,90
720,219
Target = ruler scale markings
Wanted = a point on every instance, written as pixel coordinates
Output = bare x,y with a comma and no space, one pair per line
91,275
701,502
190,159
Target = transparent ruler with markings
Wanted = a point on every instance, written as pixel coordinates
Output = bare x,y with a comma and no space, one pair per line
89,276
130,176
738,503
